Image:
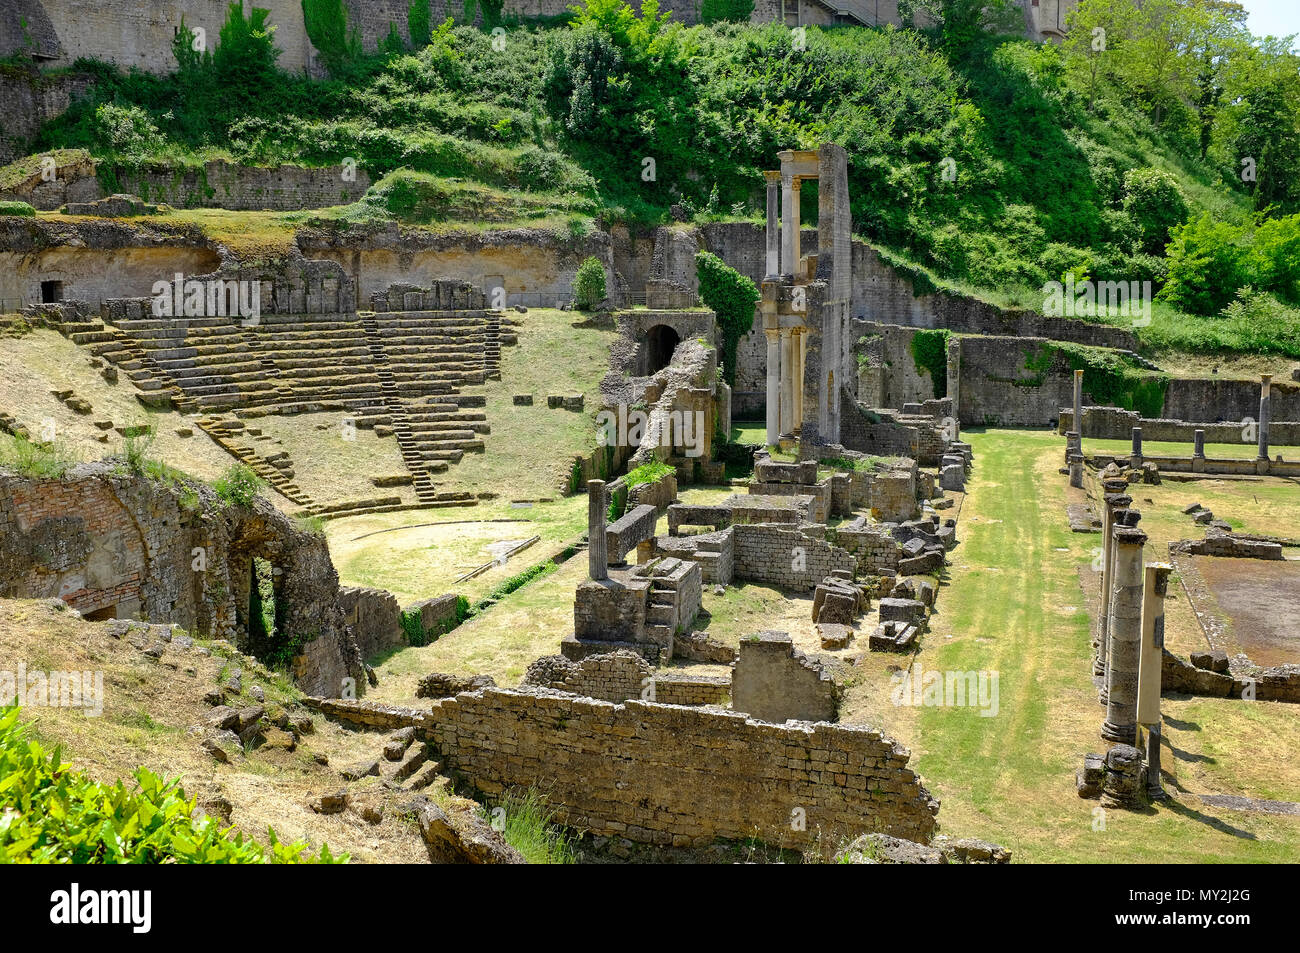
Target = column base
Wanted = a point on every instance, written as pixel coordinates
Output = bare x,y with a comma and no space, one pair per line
1119,734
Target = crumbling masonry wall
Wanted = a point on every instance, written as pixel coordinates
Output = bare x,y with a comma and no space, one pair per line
664,774
123,546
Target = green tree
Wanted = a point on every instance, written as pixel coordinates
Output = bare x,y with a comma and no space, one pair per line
418,23
246,53
726,11
961,22
732,297
1207,264
589,284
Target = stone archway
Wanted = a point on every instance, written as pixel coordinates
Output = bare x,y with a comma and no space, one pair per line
660,343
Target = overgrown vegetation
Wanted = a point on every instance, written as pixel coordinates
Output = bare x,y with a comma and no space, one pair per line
980,160
53,814
238,486
44,460
732,297
529,827
515,582
1108,376
930,354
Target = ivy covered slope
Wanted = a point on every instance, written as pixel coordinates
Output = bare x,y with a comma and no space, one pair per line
985,162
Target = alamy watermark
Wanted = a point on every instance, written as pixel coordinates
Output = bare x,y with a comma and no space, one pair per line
1073,298
628,427
38,689
209,298
914,687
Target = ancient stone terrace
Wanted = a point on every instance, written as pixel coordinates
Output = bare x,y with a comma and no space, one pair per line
400,367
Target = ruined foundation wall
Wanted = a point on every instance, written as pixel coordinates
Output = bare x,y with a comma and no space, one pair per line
672,775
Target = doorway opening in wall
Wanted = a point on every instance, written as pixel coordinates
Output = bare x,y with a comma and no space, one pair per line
51,292
660,342
100,615
261,602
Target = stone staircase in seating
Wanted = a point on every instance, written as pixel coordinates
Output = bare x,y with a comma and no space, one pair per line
405,368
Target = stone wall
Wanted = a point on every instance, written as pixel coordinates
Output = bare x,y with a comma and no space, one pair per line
115,546
373,617
219,184
664,774
635,526
612,677
785,557
32,99
997,389
774,681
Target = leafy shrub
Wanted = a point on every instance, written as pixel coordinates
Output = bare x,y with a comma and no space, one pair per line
1155,203
722,11
732,297
126,131
326,22
1207,264
589,284
17,208
239,486
53,814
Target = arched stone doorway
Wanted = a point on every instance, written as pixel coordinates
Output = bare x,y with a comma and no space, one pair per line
660,342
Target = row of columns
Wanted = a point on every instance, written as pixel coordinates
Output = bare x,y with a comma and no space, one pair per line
1131,633
783,192
1074,437
787,350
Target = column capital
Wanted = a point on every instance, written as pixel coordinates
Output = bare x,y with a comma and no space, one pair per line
773,176
773,334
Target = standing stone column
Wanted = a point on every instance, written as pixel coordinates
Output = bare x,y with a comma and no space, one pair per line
1150,664
597,546
1198,444
1135,457
1078,412
787,381
773,385
1112,500
1125,641
789,223
773,223
800,338
1265,402
1076,470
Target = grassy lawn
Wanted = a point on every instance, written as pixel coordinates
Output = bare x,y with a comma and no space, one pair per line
1162,448
403,553
531,450
1015,606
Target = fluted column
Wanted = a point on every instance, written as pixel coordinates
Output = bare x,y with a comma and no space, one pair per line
1150,665
773,223
787,381
773,385
790,185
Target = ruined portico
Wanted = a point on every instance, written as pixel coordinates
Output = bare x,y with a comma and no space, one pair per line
805,298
